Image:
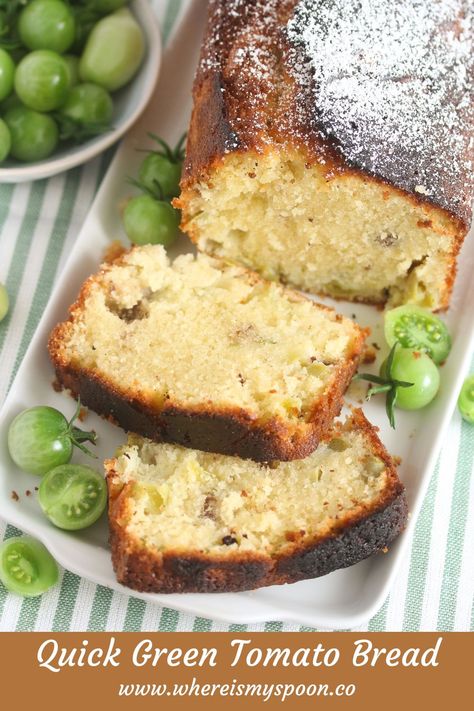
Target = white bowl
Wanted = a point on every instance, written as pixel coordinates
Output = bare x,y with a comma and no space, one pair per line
129,103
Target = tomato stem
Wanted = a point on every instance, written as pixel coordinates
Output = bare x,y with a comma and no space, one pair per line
387,384
158,195
78,436
174,155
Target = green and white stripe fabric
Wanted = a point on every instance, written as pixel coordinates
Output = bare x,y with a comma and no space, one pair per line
434,588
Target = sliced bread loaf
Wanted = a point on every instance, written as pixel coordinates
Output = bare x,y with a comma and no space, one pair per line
189,521
207,355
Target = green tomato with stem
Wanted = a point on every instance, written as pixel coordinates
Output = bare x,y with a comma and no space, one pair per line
42,80
40,438
417,368
7,73
113,52
5,143
150,221
26,566
34,135
47,24
160,175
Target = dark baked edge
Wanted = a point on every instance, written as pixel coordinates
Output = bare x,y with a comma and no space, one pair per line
226,430
223,431
354,539
143,571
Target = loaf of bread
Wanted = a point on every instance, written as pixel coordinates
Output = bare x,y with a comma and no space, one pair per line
206,355
189,521
331,144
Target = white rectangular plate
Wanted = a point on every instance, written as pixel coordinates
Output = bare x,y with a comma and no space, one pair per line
343,599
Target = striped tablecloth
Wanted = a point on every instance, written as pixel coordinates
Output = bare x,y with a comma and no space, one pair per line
434,588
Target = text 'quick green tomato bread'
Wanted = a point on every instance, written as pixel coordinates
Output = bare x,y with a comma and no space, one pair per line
319,156
207,355
189,521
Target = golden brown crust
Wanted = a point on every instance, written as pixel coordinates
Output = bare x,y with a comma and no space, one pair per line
226,430
353,538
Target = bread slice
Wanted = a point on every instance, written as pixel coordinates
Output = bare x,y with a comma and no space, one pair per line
318,156
207,355
189,521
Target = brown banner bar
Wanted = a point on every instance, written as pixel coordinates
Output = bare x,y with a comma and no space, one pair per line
268,670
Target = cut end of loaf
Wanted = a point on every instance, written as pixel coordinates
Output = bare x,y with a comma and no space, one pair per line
325,231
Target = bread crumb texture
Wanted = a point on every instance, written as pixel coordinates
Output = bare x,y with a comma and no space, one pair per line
200,333
186,501
337,234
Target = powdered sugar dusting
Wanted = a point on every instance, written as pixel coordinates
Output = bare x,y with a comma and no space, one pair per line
391,85
242,32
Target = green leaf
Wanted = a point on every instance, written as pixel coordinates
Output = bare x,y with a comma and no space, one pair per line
166,149
179,150
371,378
71,130
390,358
79,436
402,384
387,385
156,195
175,155
390,402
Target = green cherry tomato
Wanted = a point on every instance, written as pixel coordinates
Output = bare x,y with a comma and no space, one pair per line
150,221
466,400
88,104
34,135
26,567
7,73
413,367
419,329
73,496
158,173
42,80
4,302
41,438
47,24
113,52
5,142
